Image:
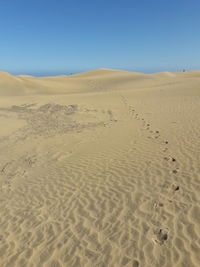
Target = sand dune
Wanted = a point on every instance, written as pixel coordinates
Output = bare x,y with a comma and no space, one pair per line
100,169
93,81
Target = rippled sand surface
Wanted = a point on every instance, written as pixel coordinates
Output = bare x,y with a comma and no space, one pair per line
100,169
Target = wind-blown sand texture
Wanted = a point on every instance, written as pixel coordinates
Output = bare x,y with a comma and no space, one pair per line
100,169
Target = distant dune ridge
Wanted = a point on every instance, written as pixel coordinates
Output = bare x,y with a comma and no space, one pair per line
100,168
85,82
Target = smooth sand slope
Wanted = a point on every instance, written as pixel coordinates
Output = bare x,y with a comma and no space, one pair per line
100,169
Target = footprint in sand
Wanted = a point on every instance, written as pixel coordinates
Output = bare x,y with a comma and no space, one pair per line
170,159
127,260
173,159
158,205
175,171
176,187
161,236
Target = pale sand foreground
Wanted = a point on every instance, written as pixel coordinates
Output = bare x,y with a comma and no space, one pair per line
100,169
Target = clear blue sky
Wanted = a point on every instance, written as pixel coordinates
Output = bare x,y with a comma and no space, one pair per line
61,36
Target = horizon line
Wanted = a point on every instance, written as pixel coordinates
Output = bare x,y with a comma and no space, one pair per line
57,74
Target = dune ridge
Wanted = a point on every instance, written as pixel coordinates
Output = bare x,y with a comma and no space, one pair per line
92,81
100,169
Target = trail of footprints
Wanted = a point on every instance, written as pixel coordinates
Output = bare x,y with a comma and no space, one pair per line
161,235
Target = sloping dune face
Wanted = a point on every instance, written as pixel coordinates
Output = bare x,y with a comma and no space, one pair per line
100,169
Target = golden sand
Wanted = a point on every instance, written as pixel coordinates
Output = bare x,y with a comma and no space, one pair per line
100,169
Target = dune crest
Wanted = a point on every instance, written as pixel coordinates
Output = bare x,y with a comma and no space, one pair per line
91,81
